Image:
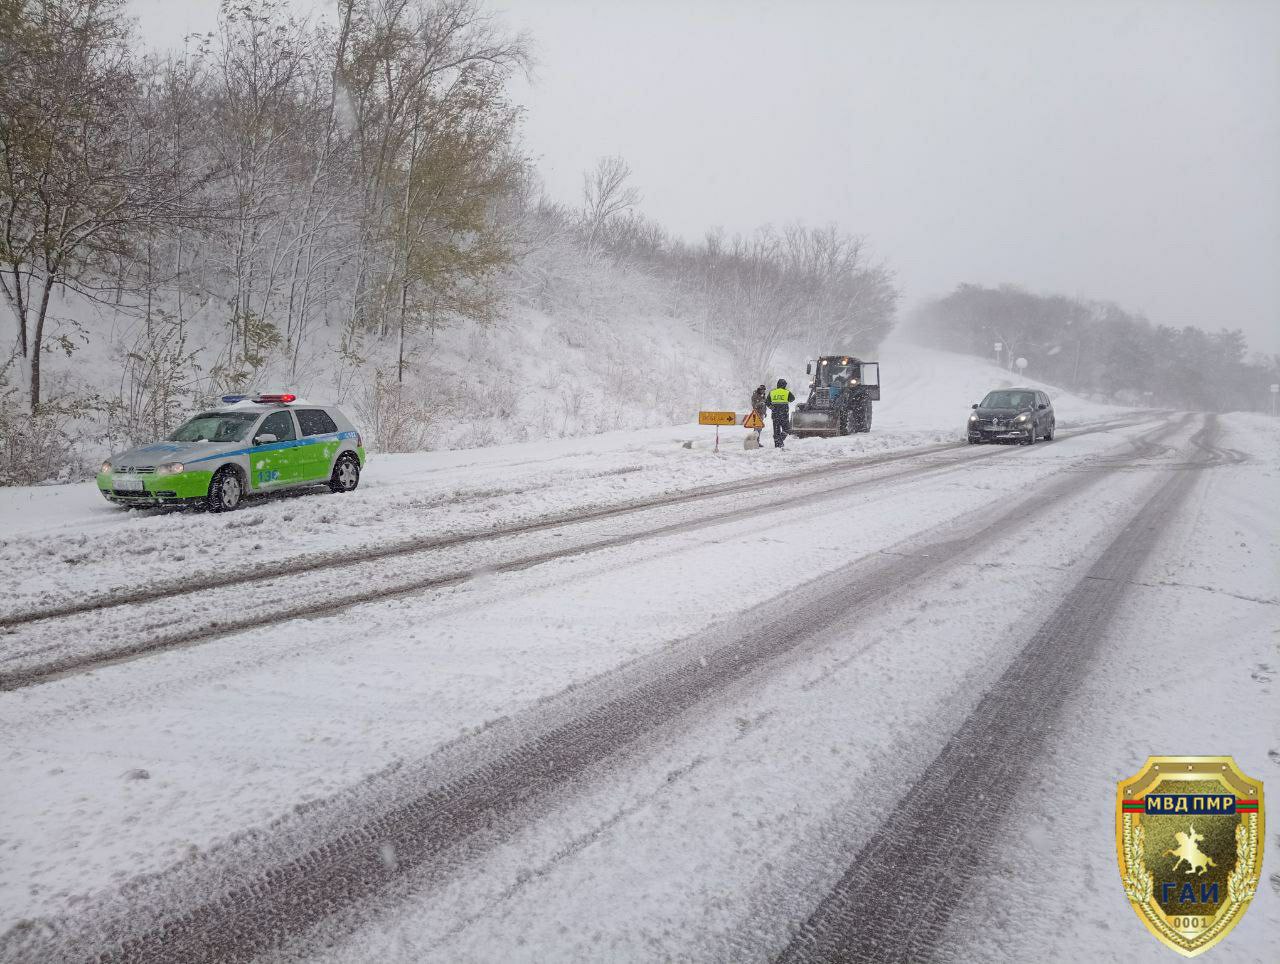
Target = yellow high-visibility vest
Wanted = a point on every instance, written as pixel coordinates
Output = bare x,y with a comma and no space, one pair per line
780,396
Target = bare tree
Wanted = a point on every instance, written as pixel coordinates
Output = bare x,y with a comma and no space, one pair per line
79,172
405,58
605,196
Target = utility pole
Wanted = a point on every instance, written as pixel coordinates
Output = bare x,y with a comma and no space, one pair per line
999,345
1275,390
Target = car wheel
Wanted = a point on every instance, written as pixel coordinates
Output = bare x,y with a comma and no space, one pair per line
1048,436
1031,435
226,491
346,474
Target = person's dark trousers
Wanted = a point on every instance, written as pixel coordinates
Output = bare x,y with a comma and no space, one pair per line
781,425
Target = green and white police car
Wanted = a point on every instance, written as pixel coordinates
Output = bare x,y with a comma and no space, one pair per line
247,445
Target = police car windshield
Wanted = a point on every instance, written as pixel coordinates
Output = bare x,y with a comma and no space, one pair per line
215,427
1007,400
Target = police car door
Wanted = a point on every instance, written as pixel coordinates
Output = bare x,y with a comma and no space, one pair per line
318,455
275,463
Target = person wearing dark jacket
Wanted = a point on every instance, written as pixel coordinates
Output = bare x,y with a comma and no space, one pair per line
780,400
759,405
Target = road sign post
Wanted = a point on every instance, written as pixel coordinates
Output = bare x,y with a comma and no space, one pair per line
717,419
1275,390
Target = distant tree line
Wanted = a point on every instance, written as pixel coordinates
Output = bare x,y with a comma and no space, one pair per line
1100,348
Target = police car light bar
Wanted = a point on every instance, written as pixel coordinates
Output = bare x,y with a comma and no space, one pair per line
286,398
232,399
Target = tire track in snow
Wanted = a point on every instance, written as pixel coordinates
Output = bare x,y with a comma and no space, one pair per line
894,901
343,558
437,826
160,636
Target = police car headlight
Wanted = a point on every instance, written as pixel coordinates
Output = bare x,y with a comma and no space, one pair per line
106,467
170,468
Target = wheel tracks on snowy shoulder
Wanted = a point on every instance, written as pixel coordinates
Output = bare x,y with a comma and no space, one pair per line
144,640
894,901
347,557
444,814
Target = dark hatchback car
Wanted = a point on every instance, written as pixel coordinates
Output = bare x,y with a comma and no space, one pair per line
1012,415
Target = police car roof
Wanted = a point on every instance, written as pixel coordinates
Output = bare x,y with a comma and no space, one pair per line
244,406
249,405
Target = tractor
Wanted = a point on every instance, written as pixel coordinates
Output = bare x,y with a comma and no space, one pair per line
841,391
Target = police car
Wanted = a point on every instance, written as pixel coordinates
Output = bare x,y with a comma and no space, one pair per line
247,445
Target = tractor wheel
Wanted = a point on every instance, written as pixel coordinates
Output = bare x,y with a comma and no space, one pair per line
864,419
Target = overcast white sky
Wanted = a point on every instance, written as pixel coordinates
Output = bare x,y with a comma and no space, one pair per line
1128,151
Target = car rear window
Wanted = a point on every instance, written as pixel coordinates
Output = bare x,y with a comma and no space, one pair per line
316,422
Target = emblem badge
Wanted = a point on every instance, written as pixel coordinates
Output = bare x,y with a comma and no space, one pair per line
1189,836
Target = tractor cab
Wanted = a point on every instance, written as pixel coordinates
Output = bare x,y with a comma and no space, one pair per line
843,371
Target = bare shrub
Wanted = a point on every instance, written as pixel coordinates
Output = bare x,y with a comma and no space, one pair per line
396,416
37,448
158,384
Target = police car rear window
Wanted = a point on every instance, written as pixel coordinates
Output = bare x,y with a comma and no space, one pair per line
316,422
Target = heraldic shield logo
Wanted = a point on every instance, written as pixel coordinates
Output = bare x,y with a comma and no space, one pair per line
1189,836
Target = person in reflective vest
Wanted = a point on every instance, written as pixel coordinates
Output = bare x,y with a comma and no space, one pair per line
780,400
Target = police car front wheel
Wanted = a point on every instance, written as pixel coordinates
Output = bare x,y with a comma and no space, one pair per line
346,474
226,491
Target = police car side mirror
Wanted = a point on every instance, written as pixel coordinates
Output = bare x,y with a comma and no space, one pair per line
266,438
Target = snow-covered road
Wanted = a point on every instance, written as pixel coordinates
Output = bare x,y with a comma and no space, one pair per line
601,708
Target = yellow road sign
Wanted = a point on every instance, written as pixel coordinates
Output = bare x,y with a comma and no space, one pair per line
753,420
717,418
